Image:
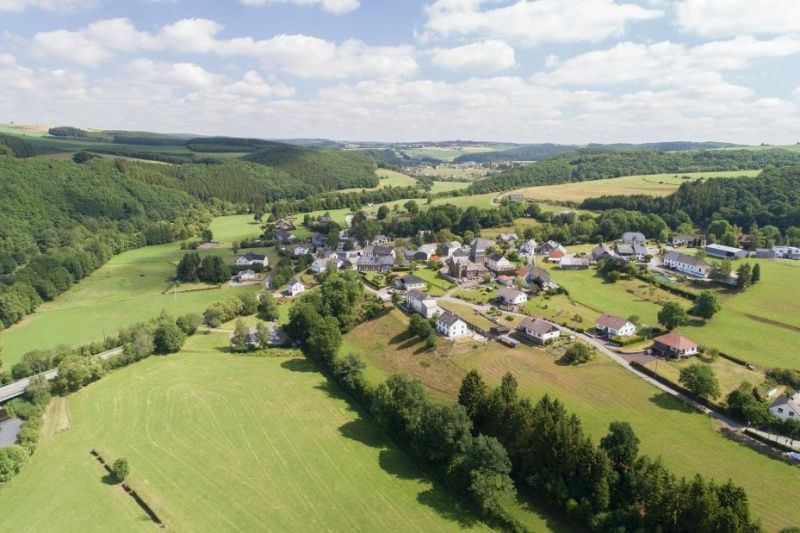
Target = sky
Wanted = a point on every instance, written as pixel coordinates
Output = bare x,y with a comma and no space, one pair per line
563,71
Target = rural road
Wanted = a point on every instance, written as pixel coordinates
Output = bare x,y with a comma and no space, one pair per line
601,347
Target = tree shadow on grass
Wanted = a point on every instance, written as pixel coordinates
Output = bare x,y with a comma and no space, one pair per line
299,364
109,479
671,403
696,322
447,507
362,431
403,338
395,462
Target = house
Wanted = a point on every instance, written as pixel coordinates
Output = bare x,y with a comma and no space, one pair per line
284,224
765,253
381,239
375,263
538,330
688,264
624,250
498,263
694,241
251,338
428,249
614,326
510,298
515,198
413,255
247,275
674,345
464,269
786,407
383,251
319,265
507,237
252,259
295,287
546,247
537,275
602,252
556,255
410,282
630,237
422,303
452,327
721,251
572,262
787,252
640,251
283,235
477,250
318,239
505,281
527,249
301,250
449,248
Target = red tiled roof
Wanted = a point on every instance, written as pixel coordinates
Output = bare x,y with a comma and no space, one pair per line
675,341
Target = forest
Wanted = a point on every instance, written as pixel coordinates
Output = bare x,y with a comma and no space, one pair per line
771,199
587,165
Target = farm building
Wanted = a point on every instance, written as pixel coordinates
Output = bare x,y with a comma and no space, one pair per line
721,251
572,262
674,345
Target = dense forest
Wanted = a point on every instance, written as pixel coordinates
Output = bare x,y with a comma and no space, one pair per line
772,199
59,221
586,165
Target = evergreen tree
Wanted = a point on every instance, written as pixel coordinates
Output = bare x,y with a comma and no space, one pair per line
755,276
745,276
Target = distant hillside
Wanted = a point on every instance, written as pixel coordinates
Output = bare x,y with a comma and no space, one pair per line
387,156
585,165
537,152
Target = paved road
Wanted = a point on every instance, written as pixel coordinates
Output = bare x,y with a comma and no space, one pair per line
602,348
12,390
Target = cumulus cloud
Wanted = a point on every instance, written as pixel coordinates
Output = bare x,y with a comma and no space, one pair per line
727,18
533,22
47,5
333,6
485,56
299,55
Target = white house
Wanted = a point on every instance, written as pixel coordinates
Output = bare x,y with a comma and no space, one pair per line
688,264
452,327
527,249
428,249
510,297
614,326
422,303
409,282
295,287
252,259
538,330
786,407
319,266
301,250
498,263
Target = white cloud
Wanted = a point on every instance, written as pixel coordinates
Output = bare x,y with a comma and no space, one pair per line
533,22
668,64
182,74
333,6
47,5
299,55
727,18
485,56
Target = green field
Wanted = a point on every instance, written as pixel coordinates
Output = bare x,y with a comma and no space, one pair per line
127,289
448,186
447,154
218,442
653,184
437,285
599,392
387,178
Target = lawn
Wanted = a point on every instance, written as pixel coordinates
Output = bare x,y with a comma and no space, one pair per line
468,314
762,324
653,184
437,285
599,392
728,373
129,288
217,442
479,295
447,186
387,178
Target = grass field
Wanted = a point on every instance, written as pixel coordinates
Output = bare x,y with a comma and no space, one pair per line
599,392
129,288
24,129
217,442
467,313
387,178
653,184
437,286
447,186
728,373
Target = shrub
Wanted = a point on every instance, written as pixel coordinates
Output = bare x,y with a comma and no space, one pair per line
120,470
168,338
578,353
189,323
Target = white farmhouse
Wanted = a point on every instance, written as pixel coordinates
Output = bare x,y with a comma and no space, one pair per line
452,327
688,264
786,407
252,259
538,330
296,287
498,263
510,297
422,303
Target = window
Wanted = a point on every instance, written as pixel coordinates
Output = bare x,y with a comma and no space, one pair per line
780,409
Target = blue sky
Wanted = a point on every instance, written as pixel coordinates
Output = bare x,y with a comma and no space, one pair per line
574,71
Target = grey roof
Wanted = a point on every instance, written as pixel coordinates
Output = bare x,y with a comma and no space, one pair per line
416,295
683,258
449,318
381,250
254,257
630,236
723,248
509,293
495,257
793,401
611,321
639,249
481,244
537,325
624,249
293,281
